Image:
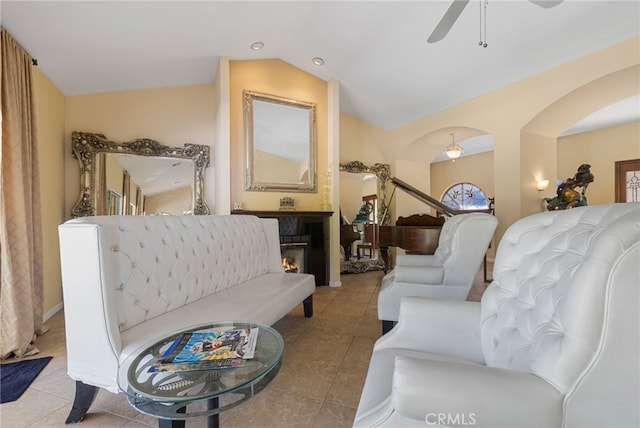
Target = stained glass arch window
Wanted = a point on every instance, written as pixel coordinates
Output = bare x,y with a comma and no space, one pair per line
465,196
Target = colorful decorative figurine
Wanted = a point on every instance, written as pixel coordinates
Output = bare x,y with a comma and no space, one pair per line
566,195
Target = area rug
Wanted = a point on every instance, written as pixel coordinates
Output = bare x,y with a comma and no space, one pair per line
360,266
16,377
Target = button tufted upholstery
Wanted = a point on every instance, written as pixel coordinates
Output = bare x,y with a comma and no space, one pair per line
129,280
543,313
555,341
447,274
161,266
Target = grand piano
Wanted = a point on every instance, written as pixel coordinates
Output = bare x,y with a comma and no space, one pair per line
416,234
348,235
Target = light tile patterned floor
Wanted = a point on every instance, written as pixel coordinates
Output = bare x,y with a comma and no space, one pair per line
319,383
323,370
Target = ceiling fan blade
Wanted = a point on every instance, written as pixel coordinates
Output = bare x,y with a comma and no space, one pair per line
546,3
448,19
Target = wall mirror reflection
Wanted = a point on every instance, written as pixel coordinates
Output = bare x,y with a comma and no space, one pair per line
139,177
363,208
280,143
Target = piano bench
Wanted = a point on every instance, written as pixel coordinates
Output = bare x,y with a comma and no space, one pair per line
364,247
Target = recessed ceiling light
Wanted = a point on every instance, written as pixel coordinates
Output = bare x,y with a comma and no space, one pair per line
256,46
318,61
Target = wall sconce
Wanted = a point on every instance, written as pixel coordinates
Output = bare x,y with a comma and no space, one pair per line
542,185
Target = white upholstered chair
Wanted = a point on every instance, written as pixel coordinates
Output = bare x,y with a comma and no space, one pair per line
554,342
447,274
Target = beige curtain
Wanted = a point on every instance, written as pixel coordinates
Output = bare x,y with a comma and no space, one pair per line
22,285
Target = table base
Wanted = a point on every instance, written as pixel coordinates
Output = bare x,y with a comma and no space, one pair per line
213,420
173,415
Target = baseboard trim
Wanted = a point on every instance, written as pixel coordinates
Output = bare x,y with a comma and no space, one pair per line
57,308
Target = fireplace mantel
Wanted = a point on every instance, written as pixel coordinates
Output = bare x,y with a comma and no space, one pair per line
312,223
284,213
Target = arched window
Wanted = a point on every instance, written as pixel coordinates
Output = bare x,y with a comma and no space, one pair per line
465,196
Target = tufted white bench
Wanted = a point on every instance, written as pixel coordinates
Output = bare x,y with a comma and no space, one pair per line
129,280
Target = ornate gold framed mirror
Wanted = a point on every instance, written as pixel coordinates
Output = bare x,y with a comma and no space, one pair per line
141,176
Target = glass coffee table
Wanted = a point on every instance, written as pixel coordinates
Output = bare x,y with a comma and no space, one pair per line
167,394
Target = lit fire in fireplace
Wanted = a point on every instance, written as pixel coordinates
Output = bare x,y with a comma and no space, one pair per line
289,264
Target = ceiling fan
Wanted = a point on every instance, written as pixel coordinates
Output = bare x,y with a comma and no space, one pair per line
456,8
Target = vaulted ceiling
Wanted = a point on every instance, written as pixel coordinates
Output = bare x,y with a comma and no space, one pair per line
389,74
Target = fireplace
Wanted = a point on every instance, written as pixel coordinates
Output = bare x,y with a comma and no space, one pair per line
294,257
308,229
295,253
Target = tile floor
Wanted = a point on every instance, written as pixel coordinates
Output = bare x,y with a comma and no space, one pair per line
323,370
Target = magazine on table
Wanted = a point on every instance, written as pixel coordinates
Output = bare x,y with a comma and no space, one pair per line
208,349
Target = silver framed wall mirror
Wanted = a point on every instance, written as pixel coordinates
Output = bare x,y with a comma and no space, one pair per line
382,171
139,177
280,143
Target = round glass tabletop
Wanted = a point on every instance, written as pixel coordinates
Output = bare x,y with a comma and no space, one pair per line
153,391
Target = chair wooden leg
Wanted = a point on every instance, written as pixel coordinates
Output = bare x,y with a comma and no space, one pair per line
85,394
308,306
386,326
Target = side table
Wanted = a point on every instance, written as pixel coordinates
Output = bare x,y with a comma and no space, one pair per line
167,395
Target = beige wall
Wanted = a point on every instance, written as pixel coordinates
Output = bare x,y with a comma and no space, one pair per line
476,169
352,189
50,103
218,175
510,111
361,141
174,202
600,149
523,119
270,168
275,77
538,160
172,116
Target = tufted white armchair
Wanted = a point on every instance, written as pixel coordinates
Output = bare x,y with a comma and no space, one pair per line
554,342
447,274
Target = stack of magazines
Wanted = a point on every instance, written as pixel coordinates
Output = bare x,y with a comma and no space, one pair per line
208,349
